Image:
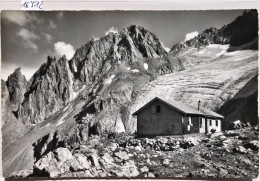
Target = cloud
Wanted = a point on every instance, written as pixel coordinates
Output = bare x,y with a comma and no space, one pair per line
62,48
191,35
60,15
28,37
52,25
165,48
47,37
21,18
111,30
16,17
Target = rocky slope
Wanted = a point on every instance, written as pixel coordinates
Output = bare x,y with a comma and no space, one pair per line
231,154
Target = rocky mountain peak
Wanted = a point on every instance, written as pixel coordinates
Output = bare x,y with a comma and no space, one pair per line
134,30
243,29
16,84
17,74
146,43
51,60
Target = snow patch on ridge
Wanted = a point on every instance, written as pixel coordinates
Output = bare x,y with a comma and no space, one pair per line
111,30
60,122
191,35
135,70
214,50
165,48
109,80
145,66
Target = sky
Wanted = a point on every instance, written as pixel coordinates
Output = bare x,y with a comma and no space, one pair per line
29,37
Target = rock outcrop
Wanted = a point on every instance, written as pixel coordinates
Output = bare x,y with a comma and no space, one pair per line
62,163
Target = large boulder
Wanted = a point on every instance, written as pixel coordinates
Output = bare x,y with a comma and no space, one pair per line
122,155
240,149
236,125
59,162
129,169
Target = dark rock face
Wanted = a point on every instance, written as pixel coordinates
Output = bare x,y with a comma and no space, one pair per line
16,84
243,106
242,30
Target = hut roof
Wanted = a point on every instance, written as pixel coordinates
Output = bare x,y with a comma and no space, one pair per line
183,108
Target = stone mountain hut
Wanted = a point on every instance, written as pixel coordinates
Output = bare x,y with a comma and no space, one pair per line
168,117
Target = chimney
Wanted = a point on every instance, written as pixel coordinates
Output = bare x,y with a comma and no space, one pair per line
199,105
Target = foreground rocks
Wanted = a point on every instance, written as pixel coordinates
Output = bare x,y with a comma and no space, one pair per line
161,143
85,163
229,154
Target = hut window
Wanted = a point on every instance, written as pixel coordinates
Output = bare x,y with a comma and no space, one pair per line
210,122
158,109
153,109
216,122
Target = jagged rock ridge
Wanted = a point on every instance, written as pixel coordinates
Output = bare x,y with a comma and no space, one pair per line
242,30
48,90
